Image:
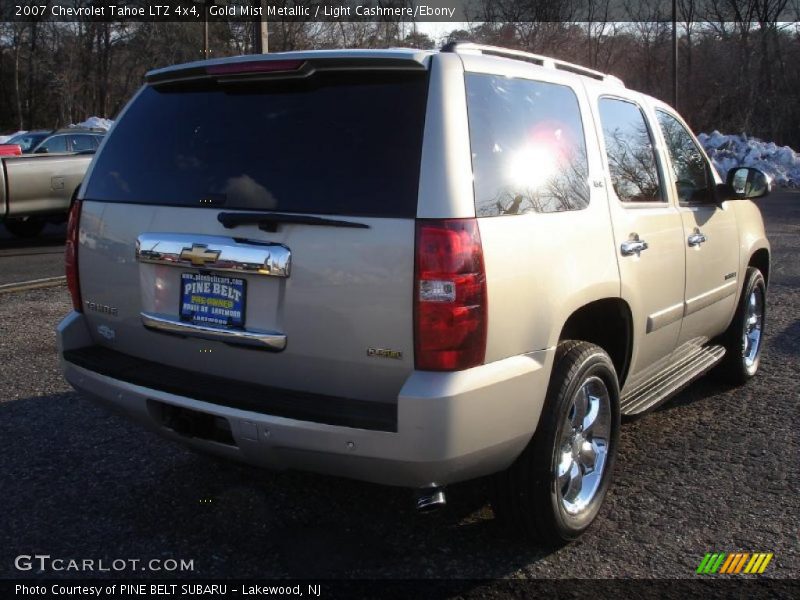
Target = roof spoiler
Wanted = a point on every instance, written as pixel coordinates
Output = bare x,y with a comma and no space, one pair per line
290,65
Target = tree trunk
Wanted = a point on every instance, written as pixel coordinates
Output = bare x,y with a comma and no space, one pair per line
17,93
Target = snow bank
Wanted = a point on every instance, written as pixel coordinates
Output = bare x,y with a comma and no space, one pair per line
729,151
3,138
95,122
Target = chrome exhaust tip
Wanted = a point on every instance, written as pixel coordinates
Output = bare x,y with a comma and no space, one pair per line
430,499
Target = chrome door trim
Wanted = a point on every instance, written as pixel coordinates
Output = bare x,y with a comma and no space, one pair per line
265,340
217,253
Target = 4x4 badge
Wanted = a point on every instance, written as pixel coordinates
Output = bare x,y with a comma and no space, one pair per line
384,353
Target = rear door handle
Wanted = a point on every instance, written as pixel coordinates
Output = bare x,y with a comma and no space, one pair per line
633,246
696,239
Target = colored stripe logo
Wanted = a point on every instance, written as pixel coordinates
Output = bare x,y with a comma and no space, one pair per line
734,563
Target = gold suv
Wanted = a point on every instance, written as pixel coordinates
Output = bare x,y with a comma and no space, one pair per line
410,267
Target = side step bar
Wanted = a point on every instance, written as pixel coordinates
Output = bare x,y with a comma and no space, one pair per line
664,384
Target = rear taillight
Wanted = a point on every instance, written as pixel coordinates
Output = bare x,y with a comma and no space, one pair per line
71,255
450,296
10,150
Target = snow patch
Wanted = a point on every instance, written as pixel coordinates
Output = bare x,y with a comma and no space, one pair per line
95,122
729,151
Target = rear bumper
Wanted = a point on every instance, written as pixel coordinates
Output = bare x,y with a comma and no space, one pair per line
450,426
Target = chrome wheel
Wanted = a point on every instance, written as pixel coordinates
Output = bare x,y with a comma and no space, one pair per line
583,446
753,325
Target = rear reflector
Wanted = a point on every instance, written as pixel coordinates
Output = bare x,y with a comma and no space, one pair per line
450,304
265,66
71,255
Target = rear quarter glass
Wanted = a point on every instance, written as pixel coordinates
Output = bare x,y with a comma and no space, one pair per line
335,143
528,146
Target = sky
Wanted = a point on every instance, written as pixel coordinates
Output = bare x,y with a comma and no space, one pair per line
437,30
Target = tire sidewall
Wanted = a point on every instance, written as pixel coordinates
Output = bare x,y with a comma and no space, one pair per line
754,282
595,364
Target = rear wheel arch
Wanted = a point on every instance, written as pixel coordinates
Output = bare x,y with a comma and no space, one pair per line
608,323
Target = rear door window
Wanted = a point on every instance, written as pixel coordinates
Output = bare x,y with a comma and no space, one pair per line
334,143
528,146
630,152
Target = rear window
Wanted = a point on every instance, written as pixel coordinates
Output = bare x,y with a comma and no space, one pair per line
334,143
528,146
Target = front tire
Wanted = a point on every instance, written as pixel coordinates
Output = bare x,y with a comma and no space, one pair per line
555,488
745,336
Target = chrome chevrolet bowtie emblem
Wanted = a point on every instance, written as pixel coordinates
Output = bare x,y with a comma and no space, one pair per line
199,254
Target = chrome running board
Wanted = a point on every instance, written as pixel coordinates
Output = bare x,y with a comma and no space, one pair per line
687,365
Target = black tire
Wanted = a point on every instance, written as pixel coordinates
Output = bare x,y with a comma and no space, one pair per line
739,365
25,228
527,497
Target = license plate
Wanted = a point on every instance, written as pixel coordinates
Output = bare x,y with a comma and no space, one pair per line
212,300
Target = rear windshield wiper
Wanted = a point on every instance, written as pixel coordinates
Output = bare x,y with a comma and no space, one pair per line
269,221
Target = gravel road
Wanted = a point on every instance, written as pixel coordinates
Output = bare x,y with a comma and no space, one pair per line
23,260
715,469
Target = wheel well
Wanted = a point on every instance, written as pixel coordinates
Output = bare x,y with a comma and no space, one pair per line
608,324
760,260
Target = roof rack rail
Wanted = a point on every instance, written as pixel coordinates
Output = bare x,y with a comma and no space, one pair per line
79,130
537,59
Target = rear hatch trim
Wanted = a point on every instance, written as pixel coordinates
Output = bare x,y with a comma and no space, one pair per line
213,252
264,340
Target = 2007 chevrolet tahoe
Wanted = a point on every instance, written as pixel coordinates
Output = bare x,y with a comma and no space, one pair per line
410,267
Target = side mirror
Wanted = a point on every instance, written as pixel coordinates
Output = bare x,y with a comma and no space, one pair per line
41,151
750,183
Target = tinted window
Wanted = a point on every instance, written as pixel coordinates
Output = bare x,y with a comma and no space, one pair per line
27,141
82,142
333,143
57,143
689,168
629,148
528,147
